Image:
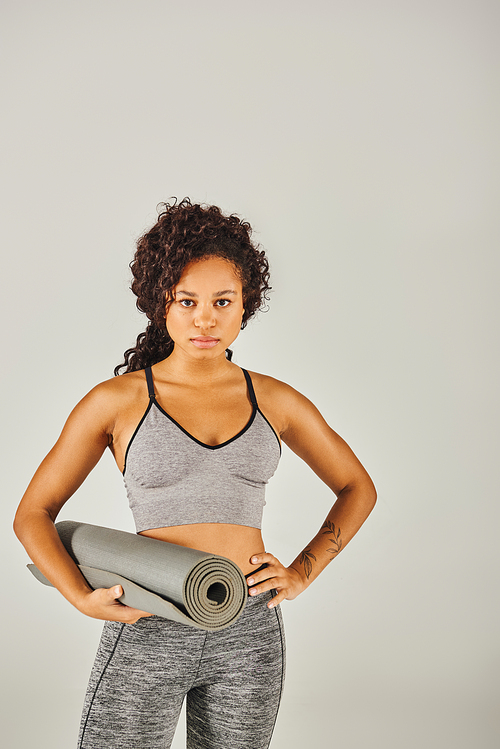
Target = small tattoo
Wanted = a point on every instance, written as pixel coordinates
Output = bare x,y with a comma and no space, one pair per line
335,539
305,559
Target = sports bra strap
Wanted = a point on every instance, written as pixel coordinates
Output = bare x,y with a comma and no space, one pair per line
149,380
251,391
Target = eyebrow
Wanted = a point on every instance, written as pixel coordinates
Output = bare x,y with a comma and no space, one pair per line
224,292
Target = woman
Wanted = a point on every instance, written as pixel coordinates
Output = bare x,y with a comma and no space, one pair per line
197,439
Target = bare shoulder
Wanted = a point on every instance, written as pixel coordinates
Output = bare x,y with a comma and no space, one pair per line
270,387
285,405
107,400
124,387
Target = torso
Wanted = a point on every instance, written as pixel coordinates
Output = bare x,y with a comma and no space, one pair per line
236,542
212,415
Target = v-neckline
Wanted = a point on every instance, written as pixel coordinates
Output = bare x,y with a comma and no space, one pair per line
250,394
204,444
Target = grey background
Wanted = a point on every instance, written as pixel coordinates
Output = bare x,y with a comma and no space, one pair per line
361,141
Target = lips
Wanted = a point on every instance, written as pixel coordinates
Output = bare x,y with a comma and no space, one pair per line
203,341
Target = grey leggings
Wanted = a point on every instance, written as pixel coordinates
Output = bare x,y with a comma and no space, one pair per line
232,678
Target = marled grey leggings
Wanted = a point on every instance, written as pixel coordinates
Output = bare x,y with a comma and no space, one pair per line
233,680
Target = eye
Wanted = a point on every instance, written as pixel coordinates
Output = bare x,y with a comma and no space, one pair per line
223,302
186,302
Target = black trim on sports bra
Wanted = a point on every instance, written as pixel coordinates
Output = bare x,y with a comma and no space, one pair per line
253,401
152,400
204,444
139,425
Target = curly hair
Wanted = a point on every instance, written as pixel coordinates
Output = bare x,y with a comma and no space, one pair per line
186,232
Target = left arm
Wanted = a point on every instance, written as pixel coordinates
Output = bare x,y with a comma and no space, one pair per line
309,436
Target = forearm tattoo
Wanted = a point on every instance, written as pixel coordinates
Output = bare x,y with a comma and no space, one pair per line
336,545
305,559
335,539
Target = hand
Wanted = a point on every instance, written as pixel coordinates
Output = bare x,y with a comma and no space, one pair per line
287,582
103,603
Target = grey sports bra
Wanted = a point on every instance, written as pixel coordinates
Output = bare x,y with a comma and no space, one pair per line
172,478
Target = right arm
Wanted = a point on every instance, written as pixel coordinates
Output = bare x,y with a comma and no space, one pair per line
86,434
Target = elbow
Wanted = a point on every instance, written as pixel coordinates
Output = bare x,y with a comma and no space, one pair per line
371,495
362,494
367,496
20,524
26,523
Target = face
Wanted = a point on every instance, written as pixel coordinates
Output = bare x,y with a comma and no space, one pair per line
205,316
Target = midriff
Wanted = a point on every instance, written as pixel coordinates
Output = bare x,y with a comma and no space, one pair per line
235,542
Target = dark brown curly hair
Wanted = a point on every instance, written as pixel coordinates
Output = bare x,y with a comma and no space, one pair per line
185,232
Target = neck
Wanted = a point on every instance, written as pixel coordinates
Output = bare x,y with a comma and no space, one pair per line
180,366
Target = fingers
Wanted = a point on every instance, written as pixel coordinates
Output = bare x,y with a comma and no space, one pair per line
263,558
103,603
267,562
130,615
114,593
284,580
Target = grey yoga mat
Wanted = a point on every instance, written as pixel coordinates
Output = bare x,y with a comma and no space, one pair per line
189,586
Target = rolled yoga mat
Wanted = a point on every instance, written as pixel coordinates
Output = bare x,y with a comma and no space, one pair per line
189,586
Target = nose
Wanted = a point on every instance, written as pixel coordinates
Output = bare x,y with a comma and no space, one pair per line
205,317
